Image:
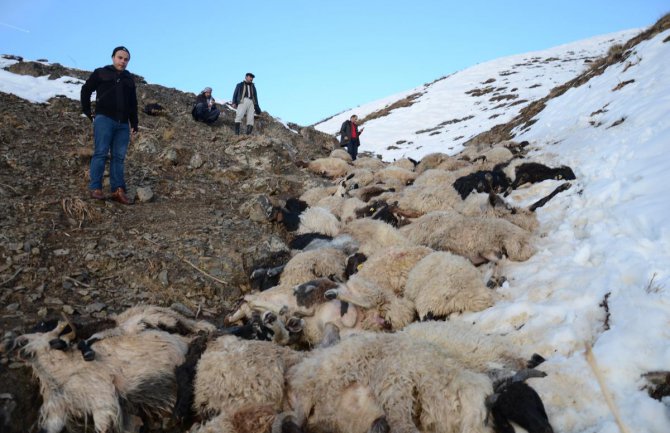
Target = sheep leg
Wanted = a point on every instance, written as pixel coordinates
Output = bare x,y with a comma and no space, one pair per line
563,187
259,305
243,312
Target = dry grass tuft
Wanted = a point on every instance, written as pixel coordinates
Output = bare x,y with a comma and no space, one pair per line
79,210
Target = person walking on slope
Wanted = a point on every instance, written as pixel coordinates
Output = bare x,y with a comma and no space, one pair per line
245,100
115,108
205,109
349,136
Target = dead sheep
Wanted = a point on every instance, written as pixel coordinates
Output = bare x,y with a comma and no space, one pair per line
493,206
138,319
373,164
495,355
373,236
435,176
443,283
313,195
329,167
440,161
395,176
348,211
495,156
340,153
505,177
355,178
239,385
480,239
333,203
135,368
318,220
287,215
423,199
397,383
390,268
378,308
309,265
406,163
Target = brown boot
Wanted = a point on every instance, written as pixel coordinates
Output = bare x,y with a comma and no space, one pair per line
97,194
120,196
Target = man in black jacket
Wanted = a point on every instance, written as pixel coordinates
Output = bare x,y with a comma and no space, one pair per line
245,100
114,120
349,136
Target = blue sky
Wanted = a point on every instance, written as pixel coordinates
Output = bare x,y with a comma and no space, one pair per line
312,59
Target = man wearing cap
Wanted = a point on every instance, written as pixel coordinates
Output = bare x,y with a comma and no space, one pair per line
245,100
205,110
114,120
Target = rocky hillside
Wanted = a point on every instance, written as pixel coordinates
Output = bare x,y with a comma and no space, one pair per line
190,240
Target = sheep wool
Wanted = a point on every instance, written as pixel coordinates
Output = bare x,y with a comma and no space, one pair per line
329,167
389,268
443,283
309,265
342,154
319,220
374,236
472,237
313,195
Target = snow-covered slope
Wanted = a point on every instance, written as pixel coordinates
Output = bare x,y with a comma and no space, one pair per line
453,109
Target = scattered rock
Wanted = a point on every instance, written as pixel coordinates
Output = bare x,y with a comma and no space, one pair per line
144,194
95,307
196,161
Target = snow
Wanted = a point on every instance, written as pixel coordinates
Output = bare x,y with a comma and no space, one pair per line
601,273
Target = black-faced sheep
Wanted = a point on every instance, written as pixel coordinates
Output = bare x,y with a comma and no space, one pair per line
443,283
134,368
480,239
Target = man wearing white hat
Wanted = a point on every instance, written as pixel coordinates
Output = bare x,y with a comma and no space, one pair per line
205,109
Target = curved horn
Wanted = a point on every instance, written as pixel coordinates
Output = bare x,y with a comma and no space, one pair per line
73,330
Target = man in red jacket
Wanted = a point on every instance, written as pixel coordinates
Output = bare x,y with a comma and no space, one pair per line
349,136
114,120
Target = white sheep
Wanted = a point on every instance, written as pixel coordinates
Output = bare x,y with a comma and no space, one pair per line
373,164
348,211
329,167
406,163
390,267
479,239
318,220
239,385
484,353
312,264
340,153
373,236
409,386
443,283
395,176
313,195
439,161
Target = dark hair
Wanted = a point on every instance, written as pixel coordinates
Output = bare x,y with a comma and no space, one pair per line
249,74
120,48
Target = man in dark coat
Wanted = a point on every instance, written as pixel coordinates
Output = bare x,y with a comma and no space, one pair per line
205,109
349,136
245,100
114,120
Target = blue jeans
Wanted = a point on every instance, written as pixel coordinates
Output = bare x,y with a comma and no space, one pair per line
352,148
111,137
